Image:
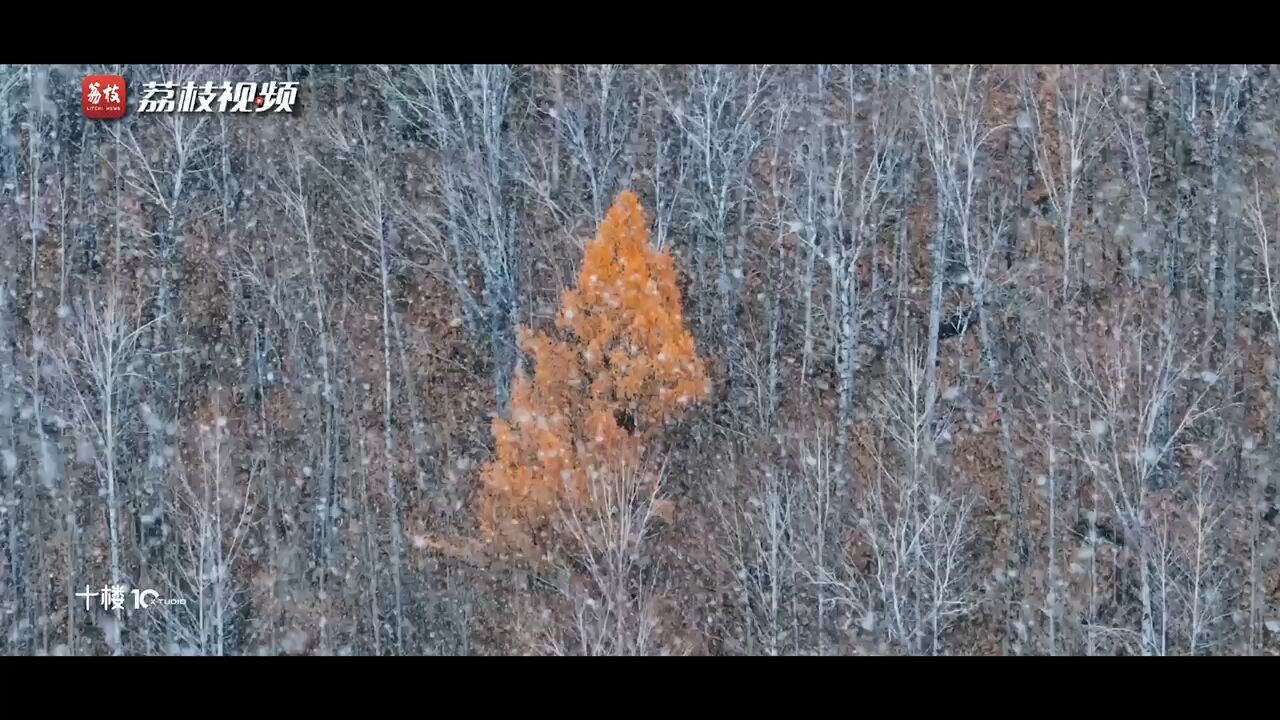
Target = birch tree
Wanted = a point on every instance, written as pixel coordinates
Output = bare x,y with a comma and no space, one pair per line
870,158
756,541
212,519
100,366
293,196
613,611
373,231
1269,305
470,217
1213,100
1128,387
1062,123
9,271
719,112
916,533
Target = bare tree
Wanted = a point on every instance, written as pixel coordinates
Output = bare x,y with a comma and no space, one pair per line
292,195
1270,307
807,166
9,271
99,364
470,217
1061,122
817,522
718,109
761,350
1213,123
165,180
1202,586
1132,118
755,540
1128,387
613,607
871,154
918,531
596,126
1270,277
954,127
908,576
212,520
372,230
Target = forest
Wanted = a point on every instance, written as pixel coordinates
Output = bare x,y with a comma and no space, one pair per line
643,360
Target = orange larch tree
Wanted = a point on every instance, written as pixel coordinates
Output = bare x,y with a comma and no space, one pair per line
618,367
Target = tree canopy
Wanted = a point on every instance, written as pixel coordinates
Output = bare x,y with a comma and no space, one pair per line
618,366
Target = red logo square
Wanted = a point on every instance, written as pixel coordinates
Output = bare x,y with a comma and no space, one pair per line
103,97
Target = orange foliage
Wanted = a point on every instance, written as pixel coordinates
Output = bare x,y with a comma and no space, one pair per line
619,367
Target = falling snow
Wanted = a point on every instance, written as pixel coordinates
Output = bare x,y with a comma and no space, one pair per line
270,364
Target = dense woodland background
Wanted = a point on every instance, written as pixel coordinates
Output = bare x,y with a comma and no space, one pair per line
993,360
